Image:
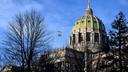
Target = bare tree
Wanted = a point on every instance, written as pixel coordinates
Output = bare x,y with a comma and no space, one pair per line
26,38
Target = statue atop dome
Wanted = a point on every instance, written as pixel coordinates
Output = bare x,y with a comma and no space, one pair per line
89,10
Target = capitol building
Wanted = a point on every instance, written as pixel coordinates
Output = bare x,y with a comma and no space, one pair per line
88,42
85,51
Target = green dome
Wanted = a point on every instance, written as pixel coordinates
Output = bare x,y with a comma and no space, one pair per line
88,32
88,23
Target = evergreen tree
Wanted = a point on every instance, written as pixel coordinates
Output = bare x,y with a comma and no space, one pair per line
118,41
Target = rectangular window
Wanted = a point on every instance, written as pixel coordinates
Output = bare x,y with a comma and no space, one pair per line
74,39
87,36
96,37
80,37
70,40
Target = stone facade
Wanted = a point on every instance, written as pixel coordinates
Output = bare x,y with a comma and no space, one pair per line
70,60
61,60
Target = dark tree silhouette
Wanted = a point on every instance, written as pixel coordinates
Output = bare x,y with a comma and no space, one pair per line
0,62
26,38
118,39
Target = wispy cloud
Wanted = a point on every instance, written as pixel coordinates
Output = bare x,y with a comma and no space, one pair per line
124,2
53,11
9,8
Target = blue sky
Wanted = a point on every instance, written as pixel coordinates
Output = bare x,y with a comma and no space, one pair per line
60,15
